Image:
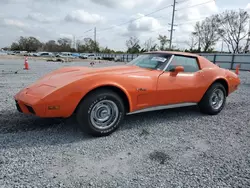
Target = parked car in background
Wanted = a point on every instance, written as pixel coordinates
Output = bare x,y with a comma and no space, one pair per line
83,56
11,53
75,55
117,58
94,56
44,54
64,55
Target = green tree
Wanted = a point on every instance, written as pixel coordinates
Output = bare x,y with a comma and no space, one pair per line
163,41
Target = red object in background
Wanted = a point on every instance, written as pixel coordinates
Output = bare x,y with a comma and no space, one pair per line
237,69
26,64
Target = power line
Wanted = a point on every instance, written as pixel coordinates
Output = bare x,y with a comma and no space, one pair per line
183,1
196,5
173,15
193,20
135,18
88,31
111,27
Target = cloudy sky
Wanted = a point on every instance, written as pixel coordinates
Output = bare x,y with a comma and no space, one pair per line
51,19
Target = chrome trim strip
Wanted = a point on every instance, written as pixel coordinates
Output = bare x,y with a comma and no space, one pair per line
162,107
170,60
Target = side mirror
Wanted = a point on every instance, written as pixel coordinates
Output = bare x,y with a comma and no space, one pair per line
177,69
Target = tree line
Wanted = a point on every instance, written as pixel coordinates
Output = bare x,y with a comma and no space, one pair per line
231,28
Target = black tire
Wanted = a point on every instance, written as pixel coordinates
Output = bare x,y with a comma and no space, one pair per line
205,105
86,106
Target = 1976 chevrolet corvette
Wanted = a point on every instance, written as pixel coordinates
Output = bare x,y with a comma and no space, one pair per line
101,97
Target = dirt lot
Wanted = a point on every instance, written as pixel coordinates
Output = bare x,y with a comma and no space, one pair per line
169,148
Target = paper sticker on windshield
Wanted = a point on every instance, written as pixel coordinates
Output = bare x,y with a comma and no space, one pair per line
161,59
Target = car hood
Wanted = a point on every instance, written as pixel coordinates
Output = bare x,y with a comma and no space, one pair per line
66,75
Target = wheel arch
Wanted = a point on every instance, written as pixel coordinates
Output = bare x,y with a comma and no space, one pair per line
221,81
117,89
224,83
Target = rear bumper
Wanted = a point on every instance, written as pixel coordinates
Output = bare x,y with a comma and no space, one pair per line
234,85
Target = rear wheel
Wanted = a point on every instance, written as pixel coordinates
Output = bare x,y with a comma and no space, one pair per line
101,112
214,100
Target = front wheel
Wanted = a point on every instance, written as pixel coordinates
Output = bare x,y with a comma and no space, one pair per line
214,100
100,113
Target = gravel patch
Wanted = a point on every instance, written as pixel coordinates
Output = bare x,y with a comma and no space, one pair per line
168,148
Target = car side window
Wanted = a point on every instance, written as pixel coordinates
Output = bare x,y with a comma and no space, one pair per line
190,64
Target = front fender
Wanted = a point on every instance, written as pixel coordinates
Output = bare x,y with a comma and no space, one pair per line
112,84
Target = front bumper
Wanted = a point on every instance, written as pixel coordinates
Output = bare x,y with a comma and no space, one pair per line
24,108
52,106
29,104
30,107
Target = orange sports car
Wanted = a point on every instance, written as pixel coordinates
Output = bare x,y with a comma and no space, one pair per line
101,97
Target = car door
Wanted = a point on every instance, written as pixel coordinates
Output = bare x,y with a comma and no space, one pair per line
184,87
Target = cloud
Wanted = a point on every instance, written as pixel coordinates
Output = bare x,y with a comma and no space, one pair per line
12,22
144,23
65,35
38,17
29,1
35,15
193,9
248,7
124,3
139,26
13,1
82,16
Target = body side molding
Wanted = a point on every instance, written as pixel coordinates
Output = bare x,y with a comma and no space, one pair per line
162,107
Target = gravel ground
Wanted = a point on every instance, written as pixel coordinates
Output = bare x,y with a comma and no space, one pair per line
169,148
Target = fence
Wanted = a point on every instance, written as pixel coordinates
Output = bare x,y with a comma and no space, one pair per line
228,61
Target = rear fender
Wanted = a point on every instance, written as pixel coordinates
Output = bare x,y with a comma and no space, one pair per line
215,75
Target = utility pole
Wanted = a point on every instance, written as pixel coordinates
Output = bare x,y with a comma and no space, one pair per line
74,41
172,25
222,46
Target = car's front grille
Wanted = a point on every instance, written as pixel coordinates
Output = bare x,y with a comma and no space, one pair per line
18,107
31,110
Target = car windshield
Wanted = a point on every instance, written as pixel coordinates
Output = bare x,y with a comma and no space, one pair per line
151,61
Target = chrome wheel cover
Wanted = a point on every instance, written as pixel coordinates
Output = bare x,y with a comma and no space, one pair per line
104,114
217,99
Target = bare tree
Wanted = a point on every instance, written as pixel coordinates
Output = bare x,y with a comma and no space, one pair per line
191,42
233,29
206,33
132,42
149,45
133,45
247,46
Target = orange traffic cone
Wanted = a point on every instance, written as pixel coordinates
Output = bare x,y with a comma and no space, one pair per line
237,69
26,64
